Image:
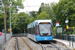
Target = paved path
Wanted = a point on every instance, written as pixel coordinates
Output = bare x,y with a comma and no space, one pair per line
66,43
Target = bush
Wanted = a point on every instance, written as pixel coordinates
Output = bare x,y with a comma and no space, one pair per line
71,30
54,30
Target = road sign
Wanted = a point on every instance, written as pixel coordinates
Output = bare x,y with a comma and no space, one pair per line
66,21
59,30
8,29
67,27
57,23
0,33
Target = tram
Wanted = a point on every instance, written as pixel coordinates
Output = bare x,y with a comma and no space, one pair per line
40,30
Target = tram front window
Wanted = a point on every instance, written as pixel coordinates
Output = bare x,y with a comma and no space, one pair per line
45,29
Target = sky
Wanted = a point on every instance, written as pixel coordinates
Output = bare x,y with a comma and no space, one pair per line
33,5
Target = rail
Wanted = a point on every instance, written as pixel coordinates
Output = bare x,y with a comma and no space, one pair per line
27,44
55,46
17,44
59,47
50,46
43,48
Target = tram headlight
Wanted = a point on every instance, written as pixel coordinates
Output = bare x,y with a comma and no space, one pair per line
41,34
49,34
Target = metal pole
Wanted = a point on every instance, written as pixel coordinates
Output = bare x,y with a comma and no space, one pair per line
72,41
10,16
68,30
24,29
62,32
56,27
5,20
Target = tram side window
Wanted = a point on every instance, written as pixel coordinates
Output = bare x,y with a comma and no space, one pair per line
29,30
34,30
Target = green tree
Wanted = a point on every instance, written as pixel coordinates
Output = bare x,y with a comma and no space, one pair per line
47,8
43,15
14,9
41,8
31,19
20,22
1,22
67,6
33,13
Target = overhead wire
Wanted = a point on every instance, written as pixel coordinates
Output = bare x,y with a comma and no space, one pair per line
27,6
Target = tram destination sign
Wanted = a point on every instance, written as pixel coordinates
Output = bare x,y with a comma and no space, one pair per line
59,30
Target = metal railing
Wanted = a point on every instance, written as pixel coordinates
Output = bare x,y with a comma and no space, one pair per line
19,35
64,37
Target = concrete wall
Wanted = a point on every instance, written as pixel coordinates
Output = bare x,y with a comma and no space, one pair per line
2,38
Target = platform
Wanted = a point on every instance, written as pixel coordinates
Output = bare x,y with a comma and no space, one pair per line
69,44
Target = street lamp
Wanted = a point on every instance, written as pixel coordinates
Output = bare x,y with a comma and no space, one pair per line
5,19
66,21
52,15
54,20
10,16
55,25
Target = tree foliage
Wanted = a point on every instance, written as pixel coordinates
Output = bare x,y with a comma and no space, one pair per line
33,13
47,8
43,15
20,22
14,9
1,22
69,7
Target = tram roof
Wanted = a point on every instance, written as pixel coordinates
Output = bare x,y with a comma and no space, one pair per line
38,21
43,21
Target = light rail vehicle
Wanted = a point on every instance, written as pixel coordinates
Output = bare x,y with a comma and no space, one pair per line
40,30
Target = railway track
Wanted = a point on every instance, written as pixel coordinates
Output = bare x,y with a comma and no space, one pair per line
23,43
17,44
52,46
33,44
48,47
12,44
59,46
27,44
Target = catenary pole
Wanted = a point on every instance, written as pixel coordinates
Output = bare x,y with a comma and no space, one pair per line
10,16
5,20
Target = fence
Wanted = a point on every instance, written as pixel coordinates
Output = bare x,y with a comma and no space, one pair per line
64,37
19,34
